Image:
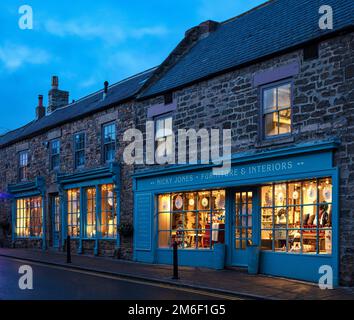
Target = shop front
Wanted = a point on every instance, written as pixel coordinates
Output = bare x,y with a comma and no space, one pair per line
89,207
28,213
283,201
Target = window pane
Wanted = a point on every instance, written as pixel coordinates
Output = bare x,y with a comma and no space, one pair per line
280,194
267,218
164,203
164,239
267,196
285,121
191,219
294,193
325,241
271,124
310,192
325,190
267,240
108,212
204,200
294,217
284,96
269,100
280,240
294,241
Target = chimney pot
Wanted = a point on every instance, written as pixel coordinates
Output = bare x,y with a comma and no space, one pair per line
105,89
57,98
40,101
55,82
40,109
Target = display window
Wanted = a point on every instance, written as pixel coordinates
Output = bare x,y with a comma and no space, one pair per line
29,222
195,220
105,222
296,217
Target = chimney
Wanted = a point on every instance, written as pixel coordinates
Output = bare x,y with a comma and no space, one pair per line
203,29
40,109
57,98
105,89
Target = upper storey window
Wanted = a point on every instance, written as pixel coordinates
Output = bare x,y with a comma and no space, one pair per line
23,165
276,108
109,142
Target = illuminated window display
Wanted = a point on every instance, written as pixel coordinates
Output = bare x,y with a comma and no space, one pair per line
91,212
107,215
74,213
29,217
297,217
195,220
108,212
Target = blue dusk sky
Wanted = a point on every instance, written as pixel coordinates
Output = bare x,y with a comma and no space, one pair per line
88,42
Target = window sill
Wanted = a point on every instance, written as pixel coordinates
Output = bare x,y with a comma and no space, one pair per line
275,141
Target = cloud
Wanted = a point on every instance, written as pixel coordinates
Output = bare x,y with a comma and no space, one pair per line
109,33
14,56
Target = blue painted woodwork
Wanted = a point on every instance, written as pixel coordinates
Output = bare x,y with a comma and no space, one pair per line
249,171
25,190
90,178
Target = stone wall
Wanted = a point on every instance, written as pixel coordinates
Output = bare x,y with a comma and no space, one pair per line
40,161
323,107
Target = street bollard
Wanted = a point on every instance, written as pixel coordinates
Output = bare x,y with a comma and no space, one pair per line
68,250
175,262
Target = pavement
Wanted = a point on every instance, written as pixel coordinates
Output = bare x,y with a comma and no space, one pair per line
233,282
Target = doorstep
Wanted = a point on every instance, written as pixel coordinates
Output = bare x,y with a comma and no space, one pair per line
231,281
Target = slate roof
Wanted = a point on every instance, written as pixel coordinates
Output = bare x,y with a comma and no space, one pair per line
270,28
118,92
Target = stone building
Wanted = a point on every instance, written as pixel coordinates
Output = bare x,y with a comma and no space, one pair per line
285,89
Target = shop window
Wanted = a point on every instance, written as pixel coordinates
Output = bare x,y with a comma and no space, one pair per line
79,147
91,212
164,139
29,217
73,212
195,220
55,154
108,212
276,110
109,142
23,166
297,217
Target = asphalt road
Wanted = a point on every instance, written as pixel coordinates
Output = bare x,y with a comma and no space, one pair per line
58,283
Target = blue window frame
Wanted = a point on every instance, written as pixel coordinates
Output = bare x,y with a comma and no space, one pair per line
73,198
79,150
55,155
23,168
108,212
276,109
29,223
163,136
296,217
108,142
195,220
97,217
90,220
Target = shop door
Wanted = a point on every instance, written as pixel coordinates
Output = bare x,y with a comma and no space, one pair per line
244,206
55,214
